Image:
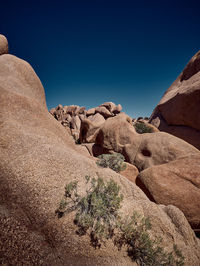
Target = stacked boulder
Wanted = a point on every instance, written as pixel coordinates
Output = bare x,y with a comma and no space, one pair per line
85,123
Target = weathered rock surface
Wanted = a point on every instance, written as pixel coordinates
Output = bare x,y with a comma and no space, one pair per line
115,133
177,183
97,116
143,150
97,119
3,45
163,156
103,111
178,112
37,159
150,149
131,172
90,112
88,131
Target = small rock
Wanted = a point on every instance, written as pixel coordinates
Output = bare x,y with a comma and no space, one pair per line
90,112
103,111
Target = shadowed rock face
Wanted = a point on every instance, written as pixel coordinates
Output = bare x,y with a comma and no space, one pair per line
37,159
178,112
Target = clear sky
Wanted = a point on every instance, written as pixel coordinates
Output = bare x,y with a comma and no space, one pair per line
88,52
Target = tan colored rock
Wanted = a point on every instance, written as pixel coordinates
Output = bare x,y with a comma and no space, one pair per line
115,133
97,119
90,128
147,150
109,105
93,149
37,160
71,109
3,45
65,108
80,110
88,131
67,117
90,112
180,107
103,111
117,109
186,133
52,111
82,116
75,123
59,107
142,150
131,172
176,183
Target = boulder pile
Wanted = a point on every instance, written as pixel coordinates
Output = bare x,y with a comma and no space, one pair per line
80,121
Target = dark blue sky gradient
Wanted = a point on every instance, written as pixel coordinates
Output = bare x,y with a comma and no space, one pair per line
89,52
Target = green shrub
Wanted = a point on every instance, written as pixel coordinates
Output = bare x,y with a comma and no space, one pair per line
97,214
141,247
114,161
141,128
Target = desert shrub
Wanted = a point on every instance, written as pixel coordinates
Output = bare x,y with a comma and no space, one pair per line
141,128
97,214
141,247
114,161
97,211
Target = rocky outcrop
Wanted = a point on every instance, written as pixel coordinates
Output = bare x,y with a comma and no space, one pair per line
37,159
164,157
143,150
84,123
178,112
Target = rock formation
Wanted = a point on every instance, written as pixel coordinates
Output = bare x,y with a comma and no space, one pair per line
164,156
38,157
178,112
85,123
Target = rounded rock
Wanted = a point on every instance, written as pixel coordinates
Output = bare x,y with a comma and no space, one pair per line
3,45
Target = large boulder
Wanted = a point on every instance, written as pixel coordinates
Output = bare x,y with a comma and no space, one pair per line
89,131
177,183
103,111
115,133
109,105
3,45
90,112
97,119
147,150
178,112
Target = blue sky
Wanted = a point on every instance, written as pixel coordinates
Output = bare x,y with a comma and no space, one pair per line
89,52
